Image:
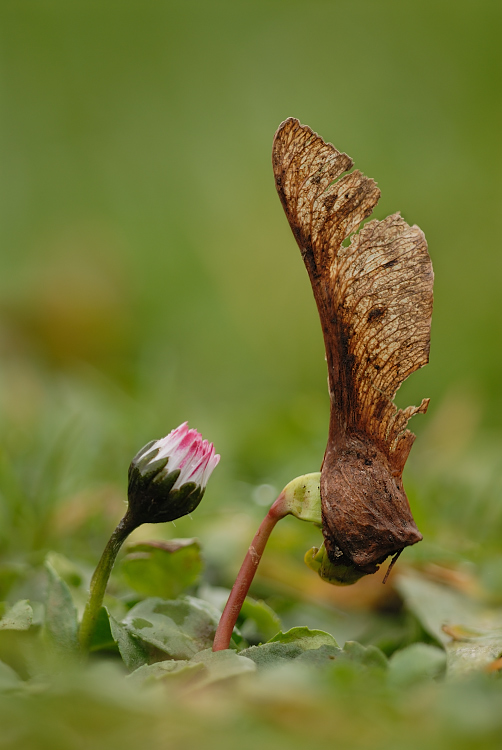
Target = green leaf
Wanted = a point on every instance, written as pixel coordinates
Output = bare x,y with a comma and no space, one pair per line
368,656
471,634
313,646
419,662
132,650
9,679
164,569
221,665
65,569
102,638
180,627
260,622
19,642
19,617
203,669
161,671
305,638
61,625
273,654
472,650
436,605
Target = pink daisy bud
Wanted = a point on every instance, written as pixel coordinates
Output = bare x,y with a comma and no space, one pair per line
167,478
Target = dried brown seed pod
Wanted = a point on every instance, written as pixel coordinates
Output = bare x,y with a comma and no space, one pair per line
374,299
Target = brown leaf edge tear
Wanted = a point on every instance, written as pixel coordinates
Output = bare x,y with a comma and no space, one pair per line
374,297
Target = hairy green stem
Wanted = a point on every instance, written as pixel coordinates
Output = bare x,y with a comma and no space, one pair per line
99,581
246,575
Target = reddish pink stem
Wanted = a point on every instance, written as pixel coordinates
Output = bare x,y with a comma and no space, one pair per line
246,575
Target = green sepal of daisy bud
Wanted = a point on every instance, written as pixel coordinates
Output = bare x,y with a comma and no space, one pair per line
301,498
152,498
180,503
338,574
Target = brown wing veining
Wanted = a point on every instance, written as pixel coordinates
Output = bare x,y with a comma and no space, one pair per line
374,296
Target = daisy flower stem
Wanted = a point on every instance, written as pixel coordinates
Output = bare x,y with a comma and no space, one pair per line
99,581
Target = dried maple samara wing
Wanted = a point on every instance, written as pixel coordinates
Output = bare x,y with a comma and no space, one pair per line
374,298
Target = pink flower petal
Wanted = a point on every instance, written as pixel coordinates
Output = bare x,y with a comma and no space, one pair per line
187,451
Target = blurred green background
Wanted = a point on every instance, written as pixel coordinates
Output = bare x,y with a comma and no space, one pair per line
148,275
